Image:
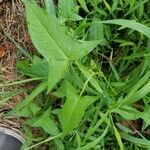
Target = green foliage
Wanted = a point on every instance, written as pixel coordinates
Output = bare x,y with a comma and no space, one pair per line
92,75
74,108
44,121
131,24
67,10
53,43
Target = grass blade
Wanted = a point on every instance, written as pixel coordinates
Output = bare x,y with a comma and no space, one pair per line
23,103
136,7
118,137
135,140
4,100
87,74
91,130
21,82
131,24
95,142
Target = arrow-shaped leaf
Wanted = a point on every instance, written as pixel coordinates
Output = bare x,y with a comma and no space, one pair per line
51,40
74,108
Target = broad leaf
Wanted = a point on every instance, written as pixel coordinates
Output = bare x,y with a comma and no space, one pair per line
74,108
56,68
28,110
38,68
44,121
51,39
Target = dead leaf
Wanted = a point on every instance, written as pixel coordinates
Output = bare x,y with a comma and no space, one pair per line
2,52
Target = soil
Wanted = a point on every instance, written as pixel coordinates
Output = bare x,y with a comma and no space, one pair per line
12,23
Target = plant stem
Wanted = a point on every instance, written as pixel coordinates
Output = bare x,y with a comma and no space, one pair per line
42,142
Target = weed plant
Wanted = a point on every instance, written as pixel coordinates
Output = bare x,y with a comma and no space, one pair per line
92,71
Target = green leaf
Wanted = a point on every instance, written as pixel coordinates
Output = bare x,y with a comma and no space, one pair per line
131,24
67,10
74,77
118,137
95,142
145,114
127,112
43,29
96,30
51,39
135,140
132,94
107,5
38,68
45,40
124,128
132,2
74,108
130,113
136,6
83,5
114,5
139,94
116,75
50,7
29,138
30,109
87,74
42,86
94,128
57,70
140,11
45,122
23,65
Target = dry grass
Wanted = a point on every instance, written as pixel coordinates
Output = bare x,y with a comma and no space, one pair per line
12,21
